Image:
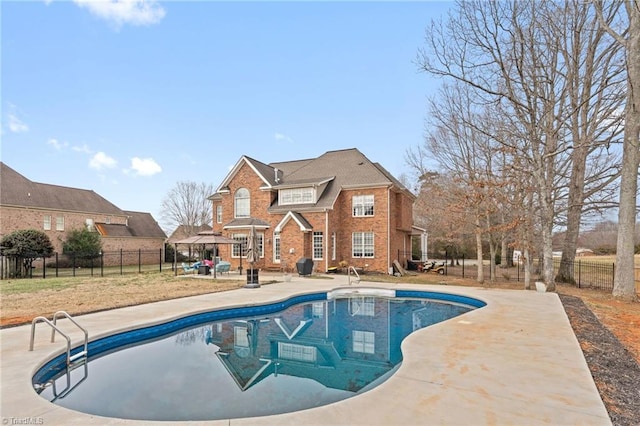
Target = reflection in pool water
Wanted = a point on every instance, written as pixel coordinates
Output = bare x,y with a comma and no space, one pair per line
279,360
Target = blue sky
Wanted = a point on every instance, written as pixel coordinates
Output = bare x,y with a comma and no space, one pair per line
128,98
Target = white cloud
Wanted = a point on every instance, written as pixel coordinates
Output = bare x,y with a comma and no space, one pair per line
121,12
145,166
56,144
282,137
16,125
84,148
102,161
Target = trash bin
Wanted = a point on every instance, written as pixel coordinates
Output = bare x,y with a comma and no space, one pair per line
252,276
304,266
204,270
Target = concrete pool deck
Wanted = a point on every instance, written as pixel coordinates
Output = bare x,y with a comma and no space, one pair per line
515,361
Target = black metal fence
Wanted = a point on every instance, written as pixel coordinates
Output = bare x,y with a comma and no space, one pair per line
117,262
585,274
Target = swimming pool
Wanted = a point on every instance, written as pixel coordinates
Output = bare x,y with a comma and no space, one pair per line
306,351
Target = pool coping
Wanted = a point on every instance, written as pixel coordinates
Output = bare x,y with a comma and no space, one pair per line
490,366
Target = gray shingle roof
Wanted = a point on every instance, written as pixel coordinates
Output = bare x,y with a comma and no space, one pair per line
142,224
17,190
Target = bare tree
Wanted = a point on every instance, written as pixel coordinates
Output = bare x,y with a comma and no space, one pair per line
595,93
514,55
188,204
629,39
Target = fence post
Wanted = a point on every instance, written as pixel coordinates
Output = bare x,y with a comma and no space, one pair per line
579,273
160,258
56,264
140,260
44,267
73,263
120,261
101,263
463,266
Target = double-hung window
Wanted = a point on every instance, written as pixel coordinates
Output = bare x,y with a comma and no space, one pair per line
60,223
362,205
362,244
219,214
47,223
240,250
318,246
242,202
364,341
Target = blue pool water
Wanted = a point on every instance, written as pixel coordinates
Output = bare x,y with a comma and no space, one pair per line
304,352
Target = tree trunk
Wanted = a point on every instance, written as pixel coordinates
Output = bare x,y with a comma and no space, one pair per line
479,256
623,284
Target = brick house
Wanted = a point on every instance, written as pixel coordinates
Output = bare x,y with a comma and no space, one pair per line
56,210
337,207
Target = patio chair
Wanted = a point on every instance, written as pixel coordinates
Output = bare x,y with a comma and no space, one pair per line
188,268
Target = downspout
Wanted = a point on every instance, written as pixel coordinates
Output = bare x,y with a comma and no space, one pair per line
326,240
388,229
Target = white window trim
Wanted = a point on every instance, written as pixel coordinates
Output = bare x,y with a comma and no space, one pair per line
364,341
46,225
60,223
235,203
317,236
363,245
306,195
238,248
360,204
219,214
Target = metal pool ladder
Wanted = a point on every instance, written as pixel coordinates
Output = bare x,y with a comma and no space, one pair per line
356,280
80,356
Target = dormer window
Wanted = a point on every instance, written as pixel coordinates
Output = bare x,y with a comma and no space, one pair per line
297,196
242,203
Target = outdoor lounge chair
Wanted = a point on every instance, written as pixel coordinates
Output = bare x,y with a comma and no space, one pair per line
188,268
223,266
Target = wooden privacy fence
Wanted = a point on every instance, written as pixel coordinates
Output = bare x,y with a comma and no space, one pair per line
118,262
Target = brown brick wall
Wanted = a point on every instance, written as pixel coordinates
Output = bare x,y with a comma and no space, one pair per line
392,213
12,218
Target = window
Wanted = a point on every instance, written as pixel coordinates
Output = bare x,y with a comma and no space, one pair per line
317,309
297,196
239,250
317,245
333,246
240,337
276,247
296,352
362,244
242,203
364,341
363,306
47,223
219,214
363,205
60,223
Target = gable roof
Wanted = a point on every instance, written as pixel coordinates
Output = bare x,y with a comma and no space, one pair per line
329,174
17,190
142,224
182,232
